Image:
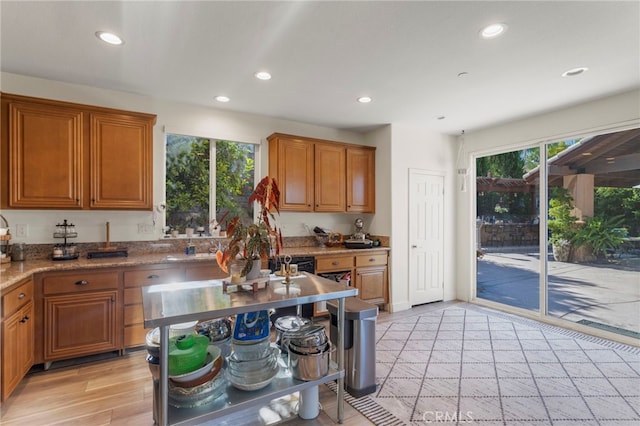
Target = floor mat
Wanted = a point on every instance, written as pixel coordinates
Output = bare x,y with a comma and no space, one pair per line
610,328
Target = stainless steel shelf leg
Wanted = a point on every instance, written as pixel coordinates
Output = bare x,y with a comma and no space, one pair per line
164,377
340,395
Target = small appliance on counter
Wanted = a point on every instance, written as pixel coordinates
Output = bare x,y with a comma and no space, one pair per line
359,239
66,250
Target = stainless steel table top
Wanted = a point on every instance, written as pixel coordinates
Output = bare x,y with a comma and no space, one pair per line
173,303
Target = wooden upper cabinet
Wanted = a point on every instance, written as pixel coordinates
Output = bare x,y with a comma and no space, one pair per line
322,176
121,162
329,178
361,184
63,155
45,152
291,163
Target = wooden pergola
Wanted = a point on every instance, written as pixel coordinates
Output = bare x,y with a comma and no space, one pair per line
613,159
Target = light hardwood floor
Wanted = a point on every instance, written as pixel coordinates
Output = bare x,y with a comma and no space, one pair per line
119,391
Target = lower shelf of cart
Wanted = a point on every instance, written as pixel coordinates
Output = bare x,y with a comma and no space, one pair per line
234,400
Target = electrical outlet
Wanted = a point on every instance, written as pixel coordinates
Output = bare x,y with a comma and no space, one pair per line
144,228
22,230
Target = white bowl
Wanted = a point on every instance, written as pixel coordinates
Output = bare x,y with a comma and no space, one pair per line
182,328
265,273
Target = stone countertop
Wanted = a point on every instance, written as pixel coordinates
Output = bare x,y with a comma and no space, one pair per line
14,272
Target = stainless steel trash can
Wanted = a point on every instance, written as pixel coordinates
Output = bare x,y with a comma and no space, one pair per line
359,344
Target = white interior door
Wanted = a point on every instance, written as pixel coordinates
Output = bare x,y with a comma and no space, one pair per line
426,241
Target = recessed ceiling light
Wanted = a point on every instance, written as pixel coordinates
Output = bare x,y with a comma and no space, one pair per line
493,30
222,98
110,38
574,71
263,75
364,99
586,154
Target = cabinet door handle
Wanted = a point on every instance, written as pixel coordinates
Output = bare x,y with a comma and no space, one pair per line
153,277
82,282
21,296
24,319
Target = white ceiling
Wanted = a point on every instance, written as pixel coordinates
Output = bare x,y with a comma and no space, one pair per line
323,55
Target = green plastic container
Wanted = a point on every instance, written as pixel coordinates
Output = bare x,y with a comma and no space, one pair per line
187,353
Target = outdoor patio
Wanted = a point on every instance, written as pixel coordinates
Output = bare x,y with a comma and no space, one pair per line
606,296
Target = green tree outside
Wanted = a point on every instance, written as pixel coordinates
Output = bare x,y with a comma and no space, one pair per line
188,176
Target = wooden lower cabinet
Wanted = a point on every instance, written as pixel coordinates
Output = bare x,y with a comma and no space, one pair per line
369,273
17,337
82,313
371,283
371,277
135,278
81,324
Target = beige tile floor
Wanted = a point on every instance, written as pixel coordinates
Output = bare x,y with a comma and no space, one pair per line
463,364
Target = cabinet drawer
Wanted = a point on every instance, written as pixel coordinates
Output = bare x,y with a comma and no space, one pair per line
16,298
133,314
150,276
133,296
79,282
135,335
204,271
338,263
371,260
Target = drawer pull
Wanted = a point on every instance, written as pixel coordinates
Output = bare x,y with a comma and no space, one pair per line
371,259
22,296
153,277
82,282
335,263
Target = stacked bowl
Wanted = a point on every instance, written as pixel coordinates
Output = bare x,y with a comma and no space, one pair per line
194,369
252,366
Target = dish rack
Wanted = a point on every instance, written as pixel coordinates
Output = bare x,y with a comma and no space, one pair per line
4,241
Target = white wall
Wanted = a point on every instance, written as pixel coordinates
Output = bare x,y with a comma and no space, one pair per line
613,113
200,120
418,148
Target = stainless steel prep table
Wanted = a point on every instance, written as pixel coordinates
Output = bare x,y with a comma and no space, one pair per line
166,304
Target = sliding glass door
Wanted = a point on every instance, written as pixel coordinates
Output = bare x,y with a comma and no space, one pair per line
594,221
507,225
590,237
